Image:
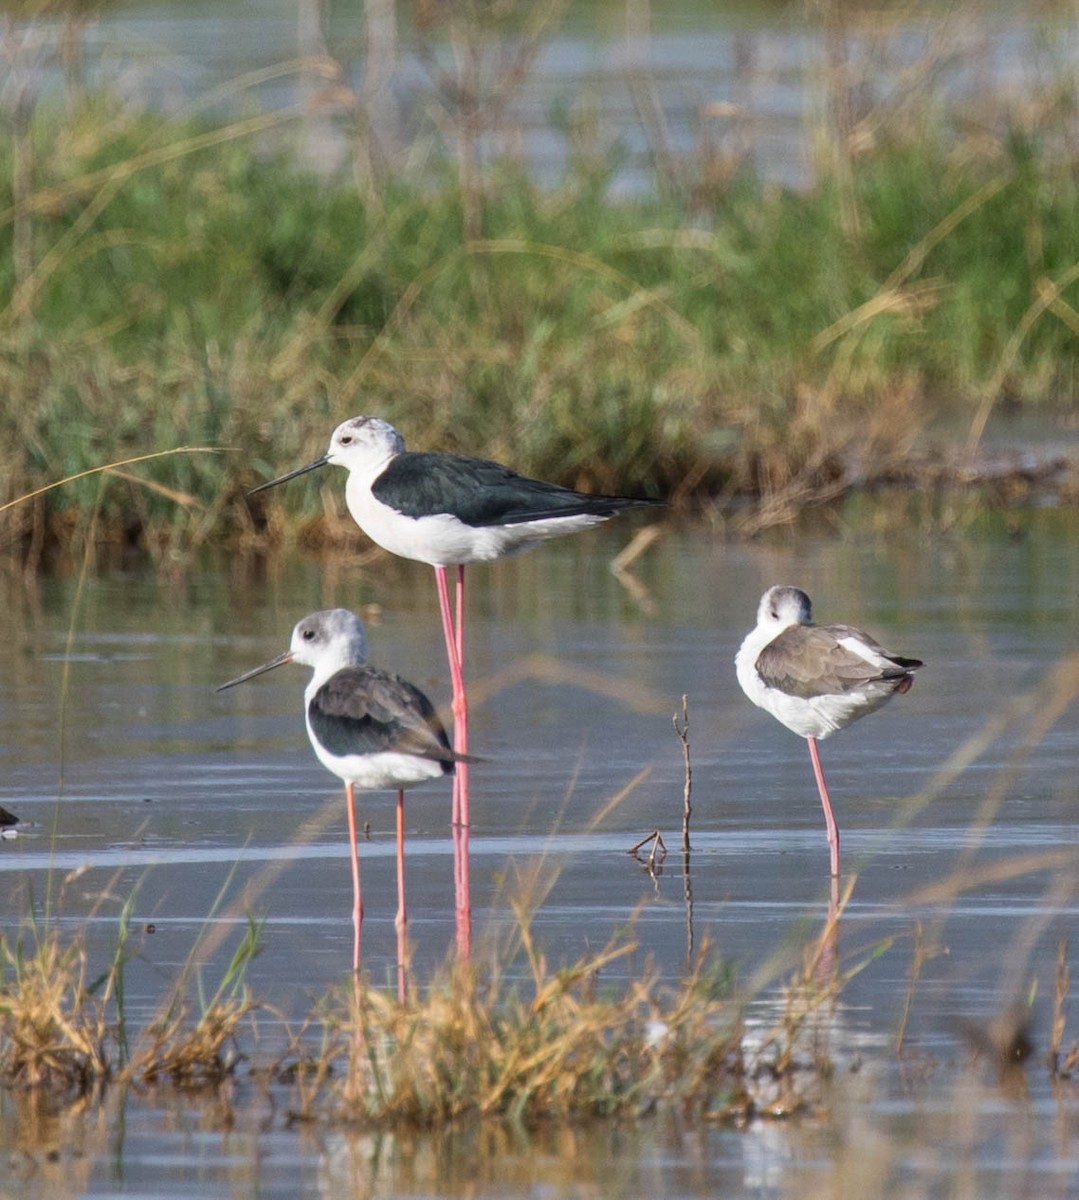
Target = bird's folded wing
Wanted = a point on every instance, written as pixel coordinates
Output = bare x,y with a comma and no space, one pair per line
479,492
361,710
810,661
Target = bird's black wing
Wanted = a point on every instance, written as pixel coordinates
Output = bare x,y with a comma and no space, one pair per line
809,661
361,710
479,492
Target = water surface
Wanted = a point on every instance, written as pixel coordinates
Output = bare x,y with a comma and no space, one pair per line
131,774
702,88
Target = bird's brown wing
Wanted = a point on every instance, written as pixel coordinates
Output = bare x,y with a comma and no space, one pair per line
809,660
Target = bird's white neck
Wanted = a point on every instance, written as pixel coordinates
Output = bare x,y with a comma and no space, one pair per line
331,660
365,464
745,661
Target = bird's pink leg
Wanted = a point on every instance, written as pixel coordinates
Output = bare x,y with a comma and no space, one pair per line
402,915
454,635
829,948
459,813
462,887
829,817
357,899
460,775
460,714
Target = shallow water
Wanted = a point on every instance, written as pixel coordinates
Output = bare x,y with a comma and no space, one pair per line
129,772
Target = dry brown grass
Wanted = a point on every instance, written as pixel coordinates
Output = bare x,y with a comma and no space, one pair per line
194,1055
508,1037
54,1033
66,1033
540,1044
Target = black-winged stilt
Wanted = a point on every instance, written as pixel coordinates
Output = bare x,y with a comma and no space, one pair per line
370,728
816,679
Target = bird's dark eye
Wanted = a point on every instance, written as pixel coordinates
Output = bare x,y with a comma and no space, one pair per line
308,635
345,439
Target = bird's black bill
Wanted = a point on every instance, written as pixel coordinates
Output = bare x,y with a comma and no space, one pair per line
311,466
279,661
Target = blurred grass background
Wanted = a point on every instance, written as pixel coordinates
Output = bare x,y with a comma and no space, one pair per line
173,279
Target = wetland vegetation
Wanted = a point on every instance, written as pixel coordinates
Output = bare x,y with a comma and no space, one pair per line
177,280
180,289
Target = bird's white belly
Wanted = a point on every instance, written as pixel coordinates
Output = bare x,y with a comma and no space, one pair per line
820,716
387,769
442,539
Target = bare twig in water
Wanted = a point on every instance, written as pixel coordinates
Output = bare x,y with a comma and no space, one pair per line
687,791
687,896
658,847
635,547
681,728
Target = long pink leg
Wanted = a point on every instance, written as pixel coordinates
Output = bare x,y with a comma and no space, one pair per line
830,947
402,915
460,726
829,817
357,899
459,815
463,882
462,888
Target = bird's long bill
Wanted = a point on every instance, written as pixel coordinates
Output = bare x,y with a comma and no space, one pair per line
311,466
279,661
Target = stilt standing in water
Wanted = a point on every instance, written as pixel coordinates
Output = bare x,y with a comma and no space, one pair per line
371,729
816,679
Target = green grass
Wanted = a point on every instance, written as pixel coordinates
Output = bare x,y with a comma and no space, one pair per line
172,283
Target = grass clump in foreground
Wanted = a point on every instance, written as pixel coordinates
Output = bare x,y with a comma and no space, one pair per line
474,1043
66,1032
54,1032
558,1044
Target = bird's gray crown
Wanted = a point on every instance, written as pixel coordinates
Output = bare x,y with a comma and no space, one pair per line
335,634
785,605
369,434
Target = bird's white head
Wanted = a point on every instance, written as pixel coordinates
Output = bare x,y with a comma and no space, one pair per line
782,606
328,641
364,444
